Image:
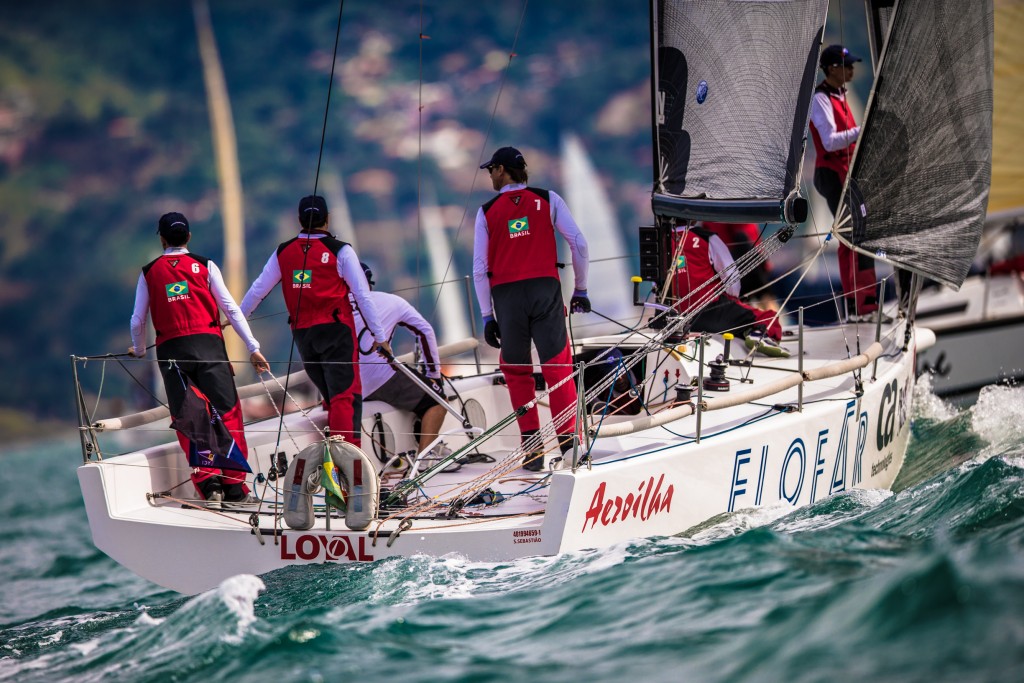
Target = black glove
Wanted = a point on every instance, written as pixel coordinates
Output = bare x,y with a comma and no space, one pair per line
437,385
492,335
579,303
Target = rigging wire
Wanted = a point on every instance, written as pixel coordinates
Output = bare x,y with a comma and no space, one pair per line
483,152
305,256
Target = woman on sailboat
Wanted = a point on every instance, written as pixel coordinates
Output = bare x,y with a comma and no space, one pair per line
835,135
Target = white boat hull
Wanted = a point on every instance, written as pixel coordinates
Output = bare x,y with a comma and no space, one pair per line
978,334
656,482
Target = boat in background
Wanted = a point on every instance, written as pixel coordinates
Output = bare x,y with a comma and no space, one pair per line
673,426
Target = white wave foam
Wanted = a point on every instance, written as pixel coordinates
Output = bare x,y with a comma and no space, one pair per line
51,639
742,520
145,619
239,593
456,578
86,648
926,404
998,418
863,499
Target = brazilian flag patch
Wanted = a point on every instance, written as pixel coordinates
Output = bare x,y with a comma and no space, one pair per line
517,226
302,277
680,262
177,289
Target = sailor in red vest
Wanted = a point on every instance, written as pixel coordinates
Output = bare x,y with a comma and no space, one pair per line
515,266
702,257
740,238
317,272
835,133
184,293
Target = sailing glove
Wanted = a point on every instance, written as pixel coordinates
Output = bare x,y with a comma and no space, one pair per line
579,303
491,333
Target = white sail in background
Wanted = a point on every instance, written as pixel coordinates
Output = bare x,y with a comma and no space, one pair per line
446,309
610,264
333,190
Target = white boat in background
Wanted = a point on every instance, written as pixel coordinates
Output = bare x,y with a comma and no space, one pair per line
979,328
660,446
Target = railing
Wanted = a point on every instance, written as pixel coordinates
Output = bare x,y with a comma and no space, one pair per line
255,389
721,402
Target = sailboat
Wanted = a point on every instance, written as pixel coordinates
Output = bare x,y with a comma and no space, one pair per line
978,328
675,425
593,211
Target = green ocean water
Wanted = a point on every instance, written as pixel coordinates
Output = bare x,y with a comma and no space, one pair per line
922,584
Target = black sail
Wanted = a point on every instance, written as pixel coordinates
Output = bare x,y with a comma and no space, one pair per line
918,188
733,81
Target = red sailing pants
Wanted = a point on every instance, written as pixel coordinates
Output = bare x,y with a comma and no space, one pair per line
856,271
330,357
204,360
532,311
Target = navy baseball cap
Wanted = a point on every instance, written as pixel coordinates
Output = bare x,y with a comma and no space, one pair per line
172,225
312,211
837,54
509,157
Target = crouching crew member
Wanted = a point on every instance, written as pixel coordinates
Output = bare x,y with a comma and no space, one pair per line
703,258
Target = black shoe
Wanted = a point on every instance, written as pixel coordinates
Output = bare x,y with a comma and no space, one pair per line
234,493
534,462
210,486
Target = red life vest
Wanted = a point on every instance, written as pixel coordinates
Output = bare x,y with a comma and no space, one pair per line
693,265
739,238
520,236
839,160
180,300
324,295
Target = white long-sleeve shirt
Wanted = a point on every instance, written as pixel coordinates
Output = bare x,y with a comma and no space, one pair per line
721,260
225,302
824,121
394,311
348,269
564,223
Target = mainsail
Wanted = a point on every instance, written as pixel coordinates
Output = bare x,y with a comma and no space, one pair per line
918,189
733,83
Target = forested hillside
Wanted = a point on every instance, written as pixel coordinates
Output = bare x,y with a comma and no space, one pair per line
104,126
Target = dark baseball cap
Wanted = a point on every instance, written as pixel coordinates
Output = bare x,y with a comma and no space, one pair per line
312,211
837,54
509,157
173,226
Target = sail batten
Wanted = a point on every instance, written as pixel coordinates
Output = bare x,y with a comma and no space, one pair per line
731,104
918,189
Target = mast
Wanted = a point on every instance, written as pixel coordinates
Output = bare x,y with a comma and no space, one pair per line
225,149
